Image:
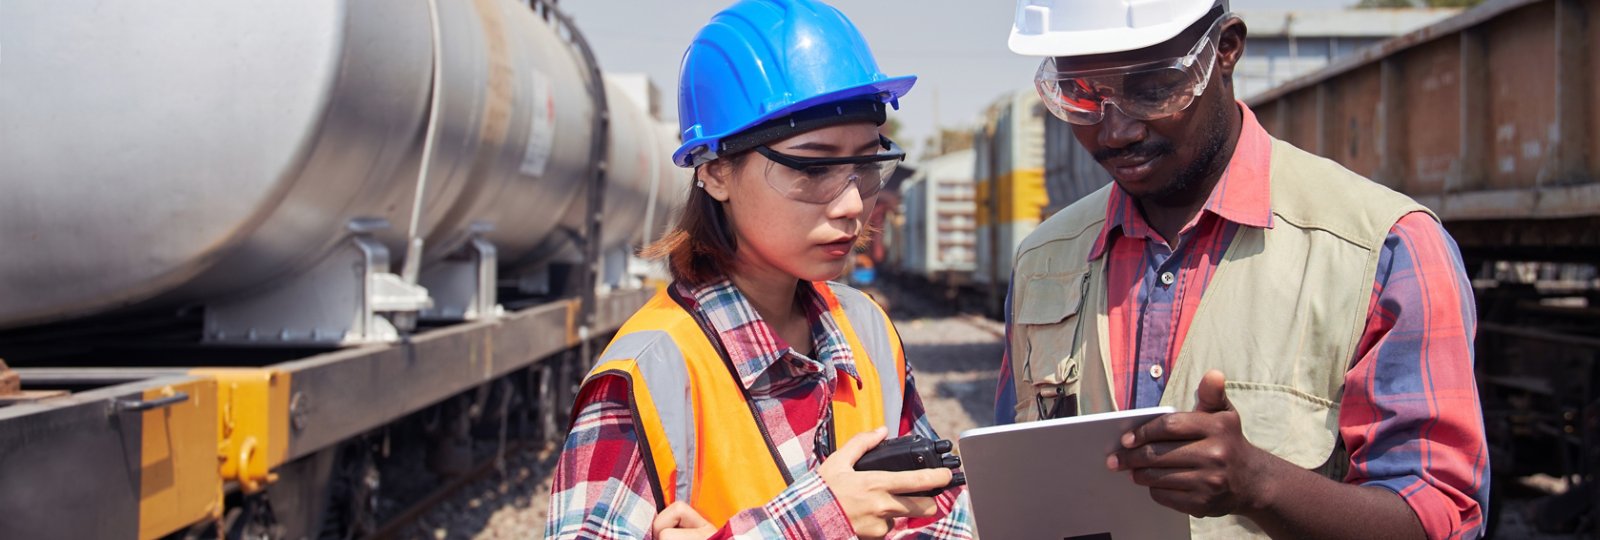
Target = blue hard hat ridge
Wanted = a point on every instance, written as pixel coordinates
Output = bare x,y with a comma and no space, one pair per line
763,59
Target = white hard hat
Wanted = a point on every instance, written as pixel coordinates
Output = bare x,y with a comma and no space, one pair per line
1082,27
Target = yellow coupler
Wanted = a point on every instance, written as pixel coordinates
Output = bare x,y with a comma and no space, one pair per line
252,423
233,427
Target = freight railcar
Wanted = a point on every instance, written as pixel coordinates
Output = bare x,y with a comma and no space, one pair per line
1070,173
1489,119
936,234
1027,166
1009,175
249,245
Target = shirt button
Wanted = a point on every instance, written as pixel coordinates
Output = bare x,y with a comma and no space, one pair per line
1167,278
1155,371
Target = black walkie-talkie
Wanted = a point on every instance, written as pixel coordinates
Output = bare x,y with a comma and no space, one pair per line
910,453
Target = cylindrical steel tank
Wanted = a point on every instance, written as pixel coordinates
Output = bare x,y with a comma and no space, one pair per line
166,152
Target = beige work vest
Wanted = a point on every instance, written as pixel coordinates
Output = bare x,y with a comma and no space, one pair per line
1281,317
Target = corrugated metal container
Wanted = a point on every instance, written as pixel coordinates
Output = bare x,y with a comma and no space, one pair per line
938,235
1070,173
1487,118
1009,176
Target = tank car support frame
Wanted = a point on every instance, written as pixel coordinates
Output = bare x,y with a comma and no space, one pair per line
463,285
339,302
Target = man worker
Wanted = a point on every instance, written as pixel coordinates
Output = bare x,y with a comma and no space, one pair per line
1313,328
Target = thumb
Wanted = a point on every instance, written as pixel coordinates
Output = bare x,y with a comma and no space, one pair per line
693,520
1212,396
858,445
671,516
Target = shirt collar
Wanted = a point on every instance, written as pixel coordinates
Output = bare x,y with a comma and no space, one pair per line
755,348
1242,196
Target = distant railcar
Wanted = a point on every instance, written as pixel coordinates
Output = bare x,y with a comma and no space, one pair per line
937,233
1009,174
1489,119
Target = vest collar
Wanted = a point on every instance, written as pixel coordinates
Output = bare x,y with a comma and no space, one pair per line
754,348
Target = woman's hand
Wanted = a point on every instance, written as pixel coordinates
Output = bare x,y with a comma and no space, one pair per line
871,498
681,522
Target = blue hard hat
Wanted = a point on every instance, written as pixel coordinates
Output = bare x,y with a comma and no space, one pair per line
762,60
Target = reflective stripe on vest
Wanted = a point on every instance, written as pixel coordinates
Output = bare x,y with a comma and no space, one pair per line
688,390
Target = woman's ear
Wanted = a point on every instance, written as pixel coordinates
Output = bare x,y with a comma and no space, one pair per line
715,177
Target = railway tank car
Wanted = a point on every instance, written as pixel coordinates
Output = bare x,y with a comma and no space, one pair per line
247,240
160,161
1488,119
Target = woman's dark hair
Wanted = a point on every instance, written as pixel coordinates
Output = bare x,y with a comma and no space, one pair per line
701,247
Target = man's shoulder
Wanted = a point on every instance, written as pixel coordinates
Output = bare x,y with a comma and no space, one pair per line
1081,220
1312,191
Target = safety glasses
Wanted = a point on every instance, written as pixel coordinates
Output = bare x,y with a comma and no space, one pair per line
1149,91
821,180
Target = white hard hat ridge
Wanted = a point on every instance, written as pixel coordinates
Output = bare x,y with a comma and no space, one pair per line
1083,27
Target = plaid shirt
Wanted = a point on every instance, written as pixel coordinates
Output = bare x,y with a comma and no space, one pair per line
1410,416
602,488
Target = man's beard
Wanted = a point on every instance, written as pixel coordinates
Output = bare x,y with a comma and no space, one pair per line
1216,136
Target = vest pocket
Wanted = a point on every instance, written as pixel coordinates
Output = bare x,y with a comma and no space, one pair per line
1294,425
1047,319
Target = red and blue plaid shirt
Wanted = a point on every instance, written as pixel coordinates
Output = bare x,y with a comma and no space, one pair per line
602,489
1410,415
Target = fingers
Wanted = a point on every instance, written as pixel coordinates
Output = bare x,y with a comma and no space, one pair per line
916,507
1186,480
910,481
1142,456
1194,503
1182,501
853,449
1169,427
1212,395
899,506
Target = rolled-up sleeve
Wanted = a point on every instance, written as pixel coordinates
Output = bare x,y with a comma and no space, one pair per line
1411,417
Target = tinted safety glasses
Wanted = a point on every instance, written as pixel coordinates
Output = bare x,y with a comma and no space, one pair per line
821,180
1149,91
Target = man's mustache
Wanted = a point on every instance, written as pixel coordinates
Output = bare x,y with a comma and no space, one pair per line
1142,149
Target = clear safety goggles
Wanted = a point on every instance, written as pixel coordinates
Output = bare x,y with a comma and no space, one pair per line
1149,91
821,180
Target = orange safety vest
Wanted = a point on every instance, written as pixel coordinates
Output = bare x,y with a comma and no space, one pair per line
704,442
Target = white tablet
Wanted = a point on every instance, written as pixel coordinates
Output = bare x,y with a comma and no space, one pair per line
1048,479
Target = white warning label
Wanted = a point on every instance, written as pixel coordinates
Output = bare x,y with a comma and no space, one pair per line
541,130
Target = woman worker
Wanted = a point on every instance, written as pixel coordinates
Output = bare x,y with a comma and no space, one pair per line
737,401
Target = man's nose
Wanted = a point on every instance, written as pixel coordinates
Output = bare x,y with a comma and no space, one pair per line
1118,130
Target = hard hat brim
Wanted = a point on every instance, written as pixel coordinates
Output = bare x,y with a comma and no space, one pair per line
888,90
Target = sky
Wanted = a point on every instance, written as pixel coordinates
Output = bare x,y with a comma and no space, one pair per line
957,48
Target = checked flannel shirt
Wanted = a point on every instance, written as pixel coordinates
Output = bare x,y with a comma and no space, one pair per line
602,490
1410,415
